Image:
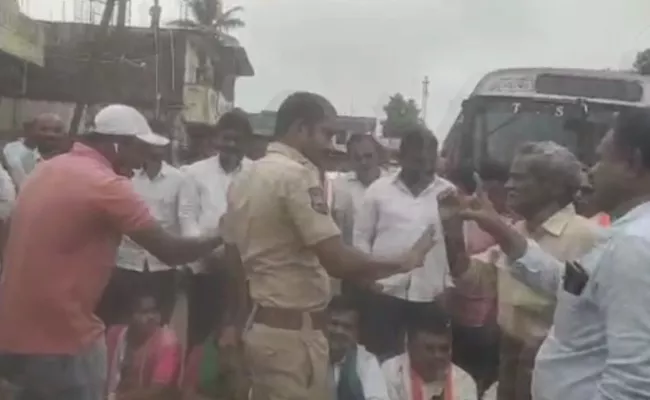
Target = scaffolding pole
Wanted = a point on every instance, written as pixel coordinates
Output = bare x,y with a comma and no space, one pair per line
88,76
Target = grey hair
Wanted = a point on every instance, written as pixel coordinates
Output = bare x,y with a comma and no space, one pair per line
550,161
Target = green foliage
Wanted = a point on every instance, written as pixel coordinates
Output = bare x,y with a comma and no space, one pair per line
642,62
207,16
401,114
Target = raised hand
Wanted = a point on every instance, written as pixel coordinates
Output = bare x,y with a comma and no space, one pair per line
481,200
450,204
478,207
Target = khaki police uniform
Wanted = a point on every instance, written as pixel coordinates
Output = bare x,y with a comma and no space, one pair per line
276,210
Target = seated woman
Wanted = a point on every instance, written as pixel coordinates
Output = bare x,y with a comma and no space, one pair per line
144,358
212,373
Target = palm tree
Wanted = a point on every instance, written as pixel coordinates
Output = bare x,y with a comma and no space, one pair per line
212,25
209,17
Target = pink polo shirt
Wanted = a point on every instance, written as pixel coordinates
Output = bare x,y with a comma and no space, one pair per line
65,230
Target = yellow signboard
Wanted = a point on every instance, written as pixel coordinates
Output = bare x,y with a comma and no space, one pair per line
20,36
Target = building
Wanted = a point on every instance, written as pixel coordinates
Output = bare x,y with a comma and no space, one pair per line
179,78
22,49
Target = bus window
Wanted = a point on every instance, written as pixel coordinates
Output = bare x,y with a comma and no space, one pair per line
504,125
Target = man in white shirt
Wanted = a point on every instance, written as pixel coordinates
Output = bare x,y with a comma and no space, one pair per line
395,211
158,184
202,203
7,201
7,194
365,156
425,370
44,137
355,372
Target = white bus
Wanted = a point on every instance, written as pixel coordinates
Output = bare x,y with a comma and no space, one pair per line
573,107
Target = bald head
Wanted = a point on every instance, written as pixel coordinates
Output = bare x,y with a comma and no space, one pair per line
47,124
47,133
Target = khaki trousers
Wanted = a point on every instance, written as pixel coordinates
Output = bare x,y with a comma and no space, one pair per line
287,364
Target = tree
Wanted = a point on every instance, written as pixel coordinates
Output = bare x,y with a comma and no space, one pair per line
211,24
642,62
209,17
401,114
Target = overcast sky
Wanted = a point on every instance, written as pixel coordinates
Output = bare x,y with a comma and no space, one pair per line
358,52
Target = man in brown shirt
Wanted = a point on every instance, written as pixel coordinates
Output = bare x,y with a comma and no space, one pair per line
543,179
278,229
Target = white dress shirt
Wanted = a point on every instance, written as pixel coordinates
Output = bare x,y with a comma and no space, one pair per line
491,393
370,374
397,372
21,160
599,346
202,200
390,220
7,194
161,195
347,199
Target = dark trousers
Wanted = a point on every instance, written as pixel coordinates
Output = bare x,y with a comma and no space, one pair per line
206,305
384,319
125,285
517,360
476,350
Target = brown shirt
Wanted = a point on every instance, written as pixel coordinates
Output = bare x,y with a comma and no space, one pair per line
276,211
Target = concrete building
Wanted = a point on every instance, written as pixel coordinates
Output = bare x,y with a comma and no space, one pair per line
183,80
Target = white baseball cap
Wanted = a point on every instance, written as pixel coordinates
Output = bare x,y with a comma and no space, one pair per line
122,120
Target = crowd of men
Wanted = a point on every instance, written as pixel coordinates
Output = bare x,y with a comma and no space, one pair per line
421,282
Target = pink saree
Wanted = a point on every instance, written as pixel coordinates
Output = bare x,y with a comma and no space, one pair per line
156,362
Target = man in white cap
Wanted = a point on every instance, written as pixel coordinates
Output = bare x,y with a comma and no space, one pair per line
64,233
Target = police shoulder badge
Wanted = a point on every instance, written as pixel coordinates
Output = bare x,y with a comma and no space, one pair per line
318,202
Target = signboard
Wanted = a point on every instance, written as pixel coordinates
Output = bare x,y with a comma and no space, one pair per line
557,84
20,36
589,87
203,104
512,84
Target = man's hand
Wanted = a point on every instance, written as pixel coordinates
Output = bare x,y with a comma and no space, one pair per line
450,204
229,338
214,260
477,207
232,356
414,258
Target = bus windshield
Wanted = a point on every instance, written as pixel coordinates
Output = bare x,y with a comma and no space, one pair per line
503,125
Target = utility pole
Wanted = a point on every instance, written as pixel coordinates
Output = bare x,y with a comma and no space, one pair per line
425,97
155,26
121,13
88,75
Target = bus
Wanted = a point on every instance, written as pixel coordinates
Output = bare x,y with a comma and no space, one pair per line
509,107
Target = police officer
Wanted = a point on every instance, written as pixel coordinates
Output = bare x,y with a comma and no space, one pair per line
279,230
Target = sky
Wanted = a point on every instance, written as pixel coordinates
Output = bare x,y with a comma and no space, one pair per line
359,52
